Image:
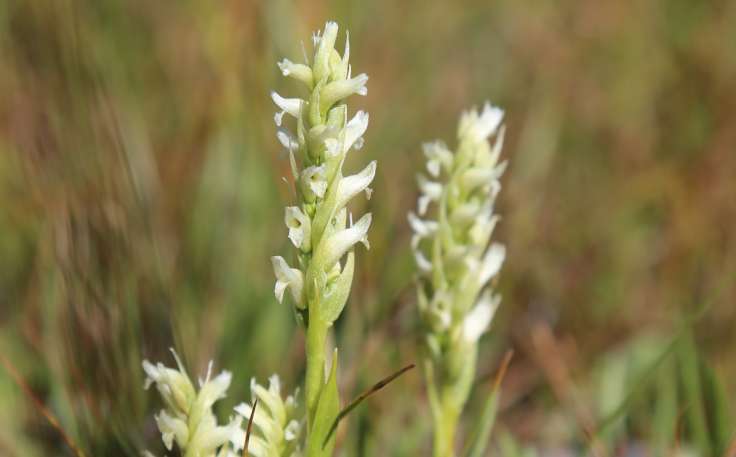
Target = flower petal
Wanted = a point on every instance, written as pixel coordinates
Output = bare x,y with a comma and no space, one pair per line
287,277
330,250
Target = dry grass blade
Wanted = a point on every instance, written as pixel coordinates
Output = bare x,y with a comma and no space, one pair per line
502,370
359,399
250,427
39,404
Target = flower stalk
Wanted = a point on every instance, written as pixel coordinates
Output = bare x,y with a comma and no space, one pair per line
456,262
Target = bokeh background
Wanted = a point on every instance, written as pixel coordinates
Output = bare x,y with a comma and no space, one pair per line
141,198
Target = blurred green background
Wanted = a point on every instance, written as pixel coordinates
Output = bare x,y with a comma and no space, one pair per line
141,198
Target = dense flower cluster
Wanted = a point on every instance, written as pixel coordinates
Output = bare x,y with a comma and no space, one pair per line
319,225
187,418
455,258
276,428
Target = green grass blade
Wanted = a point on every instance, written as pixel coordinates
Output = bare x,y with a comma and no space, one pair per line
478,440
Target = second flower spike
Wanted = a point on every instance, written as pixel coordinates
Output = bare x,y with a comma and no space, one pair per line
456,261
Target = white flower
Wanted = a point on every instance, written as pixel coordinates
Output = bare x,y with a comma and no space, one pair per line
187,418
297,70
478,127
476,322
210,436
497,146
299,226
214,389
438,156
276,430
431,192
287,277
351,186
338,243
314,181
174,386
483,227
287,139
172,428
466,213
492,262
424,265
291,106
337,90
422,229
355,129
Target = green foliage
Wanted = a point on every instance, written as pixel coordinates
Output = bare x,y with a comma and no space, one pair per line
320,439
478,439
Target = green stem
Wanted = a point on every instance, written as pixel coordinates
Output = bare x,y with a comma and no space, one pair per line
315,347
445,425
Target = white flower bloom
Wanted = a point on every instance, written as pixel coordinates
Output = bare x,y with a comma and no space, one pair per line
476,322
424,265
287,139
174,386
171,428
297,70
292,106
464,214
431,192
478,127
314,180
483,227
187,419
438,157
439,319
276,429
299,226
498,145
422,229
492,262
337,90
351,186
355,129
334,147
287,277
214,389
336,245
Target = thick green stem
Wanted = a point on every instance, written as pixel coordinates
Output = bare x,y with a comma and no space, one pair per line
315,377
448,395
445,426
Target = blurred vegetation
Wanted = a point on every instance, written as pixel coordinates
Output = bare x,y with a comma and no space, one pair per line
141,198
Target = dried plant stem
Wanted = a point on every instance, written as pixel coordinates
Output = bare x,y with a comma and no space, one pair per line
10,368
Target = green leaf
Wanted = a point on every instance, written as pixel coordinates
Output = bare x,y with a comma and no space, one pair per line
328,407
642,381
718,413
690,372
664,421
478,440
334,301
